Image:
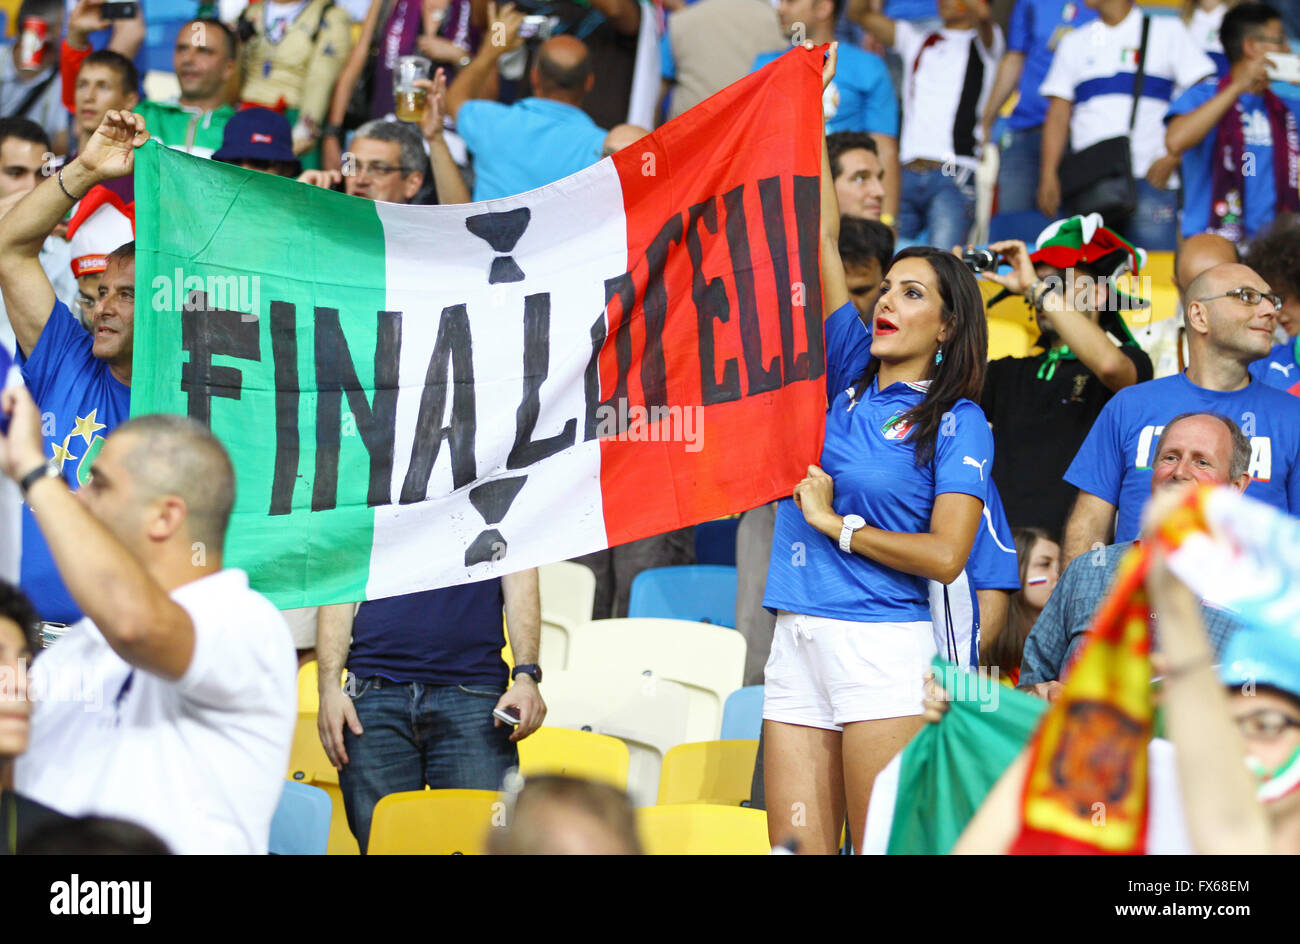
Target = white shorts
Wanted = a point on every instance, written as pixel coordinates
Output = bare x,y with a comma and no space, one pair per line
826,673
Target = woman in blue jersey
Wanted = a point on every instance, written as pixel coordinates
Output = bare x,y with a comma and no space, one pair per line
895,502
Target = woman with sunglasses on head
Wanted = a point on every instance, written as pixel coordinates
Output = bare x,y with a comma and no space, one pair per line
894,502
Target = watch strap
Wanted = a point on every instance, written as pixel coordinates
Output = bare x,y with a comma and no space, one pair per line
44,470
531,669
846,538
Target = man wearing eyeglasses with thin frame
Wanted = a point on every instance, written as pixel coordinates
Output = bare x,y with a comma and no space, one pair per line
1230,315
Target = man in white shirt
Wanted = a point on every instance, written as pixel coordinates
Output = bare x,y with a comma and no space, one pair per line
173,703
947,76
1089,90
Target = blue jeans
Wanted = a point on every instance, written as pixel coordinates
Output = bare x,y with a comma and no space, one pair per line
936,205
415,735
1154,226
1019,155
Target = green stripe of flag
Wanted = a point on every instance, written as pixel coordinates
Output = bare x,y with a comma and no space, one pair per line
261,239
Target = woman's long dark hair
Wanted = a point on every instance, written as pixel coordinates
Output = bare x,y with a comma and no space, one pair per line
965,353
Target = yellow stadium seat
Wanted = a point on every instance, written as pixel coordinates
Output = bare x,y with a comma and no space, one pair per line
703,829
573,753
1007,339
309,764
308,691
434,822
708,772
10,8
708,660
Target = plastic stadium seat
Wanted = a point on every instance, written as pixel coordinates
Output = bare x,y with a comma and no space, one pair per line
742,714
574,753
708,772
1007,339
553,643
703,829
308,691
705,593
301,824
568,591
648,714
715,541
708,660
434,822
308,764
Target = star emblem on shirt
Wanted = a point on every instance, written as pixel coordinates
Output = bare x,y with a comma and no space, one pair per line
87,427
61,454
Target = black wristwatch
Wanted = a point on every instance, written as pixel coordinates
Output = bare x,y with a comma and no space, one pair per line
534,670
49,469
332,131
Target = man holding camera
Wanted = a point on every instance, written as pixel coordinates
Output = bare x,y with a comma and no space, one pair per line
1042,406
535,141
1238,140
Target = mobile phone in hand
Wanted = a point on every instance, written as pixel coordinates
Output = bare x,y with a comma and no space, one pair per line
1284,67
119,11
506,716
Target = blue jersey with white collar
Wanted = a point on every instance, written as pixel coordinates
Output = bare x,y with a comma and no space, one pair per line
868,454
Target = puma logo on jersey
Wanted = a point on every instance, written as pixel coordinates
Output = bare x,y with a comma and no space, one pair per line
967,460
1261,453
1285,368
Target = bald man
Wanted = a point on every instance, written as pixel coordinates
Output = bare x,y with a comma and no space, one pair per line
1165,341
1230,315
535,141
1198,253
173,703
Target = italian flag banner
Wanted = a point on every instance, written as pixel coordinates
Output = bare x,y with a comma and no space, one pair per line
926,796
415,397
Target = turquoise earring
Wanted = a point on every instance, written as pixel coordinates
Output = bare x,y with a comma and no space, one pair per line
938,357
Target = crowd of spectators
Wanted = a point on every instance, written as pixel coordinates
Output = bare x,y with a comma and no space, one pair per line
977,504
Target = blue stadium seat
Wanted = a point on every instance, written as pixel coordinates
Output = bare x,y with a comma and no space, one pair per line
1023,226
163,22
742,714
704,593
715,542
301,824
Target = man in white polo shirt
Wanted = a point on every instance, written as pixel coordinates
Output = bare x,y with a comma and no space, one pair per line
947,76
172,704
1089,89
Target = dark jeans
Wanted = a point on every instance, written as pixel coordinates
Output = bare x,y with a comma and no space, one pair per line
1018,161
417,735
937,206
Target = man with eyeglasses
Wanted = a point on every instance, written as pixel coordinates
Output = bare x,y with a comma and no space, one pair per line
1239,141
1194,449
1230,315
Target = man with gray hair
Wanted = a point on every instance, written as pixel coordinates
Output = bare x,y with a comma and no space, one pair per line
1230,315
184,691
394,162
388,163
1195,448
